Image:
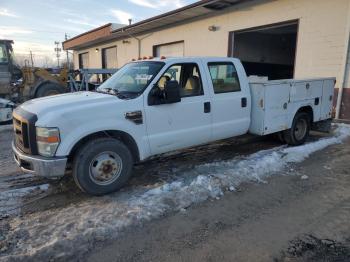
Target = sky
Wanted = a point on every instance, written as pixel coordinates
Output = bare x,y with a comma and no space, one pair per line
35,25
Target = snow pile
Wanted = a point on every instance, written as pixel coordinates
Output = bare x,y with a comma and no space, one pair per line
11,199
71,231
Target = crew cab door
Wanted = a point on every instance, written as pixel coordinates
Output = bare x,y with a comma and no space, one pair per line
185,123
230,97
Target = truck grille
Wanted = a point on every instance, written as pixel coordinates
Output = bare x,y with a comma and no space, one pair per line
25,138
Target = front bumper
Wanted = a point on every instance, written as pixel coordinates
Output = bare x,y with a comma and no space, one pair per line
40,166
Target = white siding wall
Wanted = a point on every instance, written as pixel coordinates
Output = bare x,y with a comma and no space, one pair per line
323,29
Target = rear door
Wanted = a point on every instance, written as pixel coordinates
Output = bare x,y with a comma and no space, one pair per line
230,98
183,124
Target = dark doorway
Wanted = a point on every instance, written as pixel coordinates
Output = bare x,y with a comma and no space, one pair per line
266,51
83,60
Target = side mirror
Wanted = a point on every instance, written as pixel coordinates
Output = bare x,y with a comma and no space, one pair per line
172,92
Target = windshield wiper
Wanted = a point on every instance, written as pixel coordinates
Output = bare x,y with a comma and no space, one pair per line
112,91
107,90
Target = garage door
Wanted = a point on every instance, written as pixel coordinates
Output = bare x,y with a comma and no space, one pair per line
168,50
268,50
109,57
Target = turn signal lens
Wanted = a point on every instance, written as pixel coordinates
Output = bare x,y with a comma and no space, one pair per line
50,139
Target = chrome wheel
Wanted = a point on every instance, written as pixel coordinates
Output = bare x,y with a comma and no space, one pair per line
300,129
105,168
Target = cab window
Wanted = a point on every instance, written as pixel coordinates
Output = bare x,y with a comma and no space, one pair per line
224,77
188,77
3,54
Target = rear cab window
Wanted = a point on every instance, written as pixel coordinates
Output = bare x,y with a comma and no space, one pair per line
224,77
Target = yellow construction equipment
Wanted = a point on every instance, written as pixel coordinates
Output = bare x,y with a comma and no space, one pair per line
23,84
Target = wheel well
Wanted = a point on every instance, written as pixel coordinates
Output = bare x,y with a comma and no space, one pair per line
309,111
42,84
120,135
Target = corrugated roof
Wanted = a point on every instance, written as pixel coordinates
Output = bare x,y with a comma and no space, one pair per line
180,15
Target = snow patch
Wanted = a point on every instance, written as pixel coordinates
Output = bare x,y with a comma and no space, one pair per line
72,230
11,200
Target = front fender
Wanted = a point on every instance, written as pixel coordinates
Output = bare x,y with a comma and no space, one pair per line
71,137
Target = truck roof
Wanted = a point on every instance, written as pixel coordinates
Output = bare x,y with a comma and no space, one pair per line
6,40
184,58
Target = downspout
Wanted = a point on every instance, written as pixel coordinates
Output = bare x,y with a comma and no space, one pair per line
138,42
345,68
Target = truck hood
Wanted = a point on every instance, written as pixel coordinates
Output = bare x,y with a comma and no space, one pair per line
72,102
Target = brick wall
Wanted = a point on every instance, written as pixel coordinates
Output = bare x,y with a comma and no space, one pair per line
94,34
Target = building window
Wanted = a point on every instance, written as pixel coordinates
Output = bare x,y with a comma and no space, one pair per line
224,77
83,60
109,57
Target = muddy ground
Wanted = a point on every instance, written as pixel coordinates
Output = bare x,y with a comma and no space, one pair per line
302,216
287,219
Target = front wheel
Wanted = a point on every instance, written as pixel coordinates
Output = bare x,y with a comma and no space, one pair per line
299,131
102,166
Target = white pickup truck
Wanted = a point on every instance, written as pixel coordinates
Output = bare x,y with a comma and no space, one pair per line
154,106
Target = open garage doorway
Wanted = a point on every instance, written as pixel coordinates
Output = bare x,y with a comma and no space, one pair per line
267,50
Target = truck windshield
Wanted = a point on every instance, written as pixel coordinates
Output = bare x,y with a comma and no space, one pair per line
132,78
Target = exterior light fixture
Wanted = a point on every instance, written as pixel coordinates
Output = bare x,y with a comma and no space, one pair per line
97,50
213,28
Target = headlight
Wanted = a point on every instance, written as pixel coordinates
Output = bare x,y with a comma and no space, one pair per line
48,139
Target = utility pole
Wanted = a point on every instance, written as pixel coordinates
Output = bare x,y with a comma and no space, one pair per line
68,65
31,58
58,50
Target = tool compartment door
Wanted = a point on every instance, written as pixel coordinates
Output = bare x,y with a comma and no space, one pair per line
276,108
327,99
310,93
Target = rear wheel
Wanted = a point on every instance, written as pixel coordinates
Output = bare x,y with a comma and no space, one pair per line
299,131
49,89
102,166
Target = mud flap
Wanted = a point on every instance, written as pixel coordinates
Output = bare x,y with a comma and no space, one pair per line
322,126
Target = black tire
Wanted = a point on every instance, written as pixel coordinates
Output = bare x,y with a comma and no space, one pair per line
90,169
299,131
49,89
279,137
